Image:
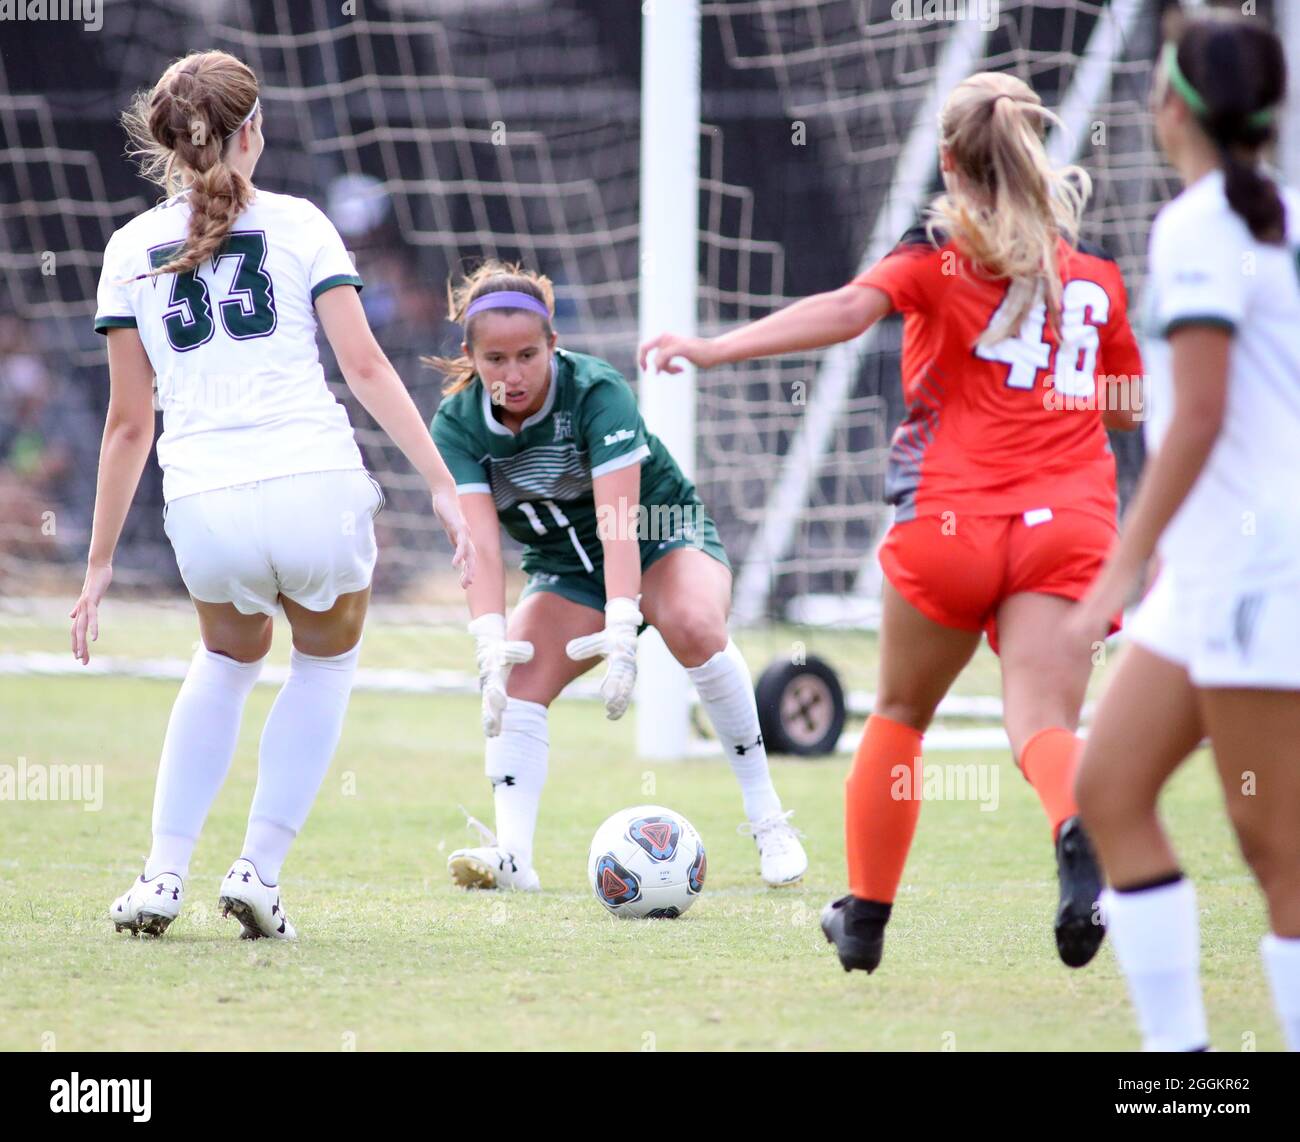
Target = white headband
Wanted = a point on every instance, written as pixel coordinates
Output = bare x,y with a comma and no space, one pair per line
257,102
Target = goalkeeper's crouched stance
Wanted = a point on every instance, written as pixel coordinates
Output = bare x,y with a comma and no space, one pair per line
550,445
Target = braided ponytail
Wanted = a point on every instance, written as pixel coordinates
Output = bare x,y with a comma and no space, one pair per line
180,129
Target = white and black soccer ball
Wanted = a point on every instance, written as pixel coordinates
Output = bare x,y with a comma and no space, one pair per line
647,862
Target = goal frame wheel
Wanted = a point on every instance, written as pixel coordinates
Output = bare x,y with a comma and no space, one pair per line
801,707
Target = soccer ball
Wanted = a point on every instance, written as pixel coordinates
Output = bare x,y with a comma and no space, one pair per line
647,862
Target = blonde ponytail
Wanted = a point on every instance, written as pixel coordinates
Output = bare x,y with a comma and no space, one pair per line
1006,206
179,131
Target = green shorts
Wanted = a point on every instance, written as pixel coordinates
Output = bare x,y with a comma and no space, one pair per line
587,588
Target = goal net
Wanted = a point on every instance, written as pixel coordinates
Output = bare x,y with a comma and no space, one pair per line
437,132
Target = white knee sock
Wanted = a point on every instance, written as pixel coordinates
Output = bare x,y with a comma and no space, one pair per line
516,761
196,755
727,694
301,733
1157,940
1282,961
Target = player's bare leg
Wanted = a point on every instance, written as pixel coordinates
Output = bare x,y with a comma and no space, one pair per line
1256,735
517,758
686,597
1042,693
1145,726
919,660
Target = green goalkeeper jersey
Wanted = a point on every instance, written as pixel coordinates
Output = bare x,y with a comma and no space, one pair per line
540,478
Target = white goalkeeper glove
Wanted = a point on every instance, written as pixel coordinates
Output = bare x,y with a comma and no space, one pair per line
496,655
617,643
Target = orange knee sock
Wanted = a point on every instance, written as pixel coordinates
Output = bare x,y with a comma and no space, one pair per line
1049,761
881,807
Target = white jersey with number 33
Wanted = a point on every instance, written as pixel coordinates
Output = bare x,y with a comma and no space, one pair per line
233,342
1240,526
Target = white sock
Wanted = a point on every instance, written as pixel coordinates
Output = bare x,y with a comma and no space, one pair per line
196,755
1157,939
298,742
727,694
515,761
266,844
1282,962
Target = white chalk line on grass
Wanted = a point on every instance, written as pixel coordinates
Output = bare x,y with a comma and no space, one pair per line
394,680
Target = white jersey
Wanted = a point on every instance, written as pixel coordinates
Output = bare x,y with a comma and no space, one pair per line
233,343
1240,525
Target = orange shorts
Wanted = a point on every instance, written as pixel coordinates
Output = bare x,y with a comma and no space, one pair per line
957,570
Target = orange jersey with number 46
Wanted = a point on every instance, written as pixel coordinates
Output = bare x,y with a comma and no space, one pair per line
1010,427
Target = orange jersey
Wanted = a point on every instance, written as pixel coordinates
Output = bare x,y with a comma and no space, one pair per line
1011,427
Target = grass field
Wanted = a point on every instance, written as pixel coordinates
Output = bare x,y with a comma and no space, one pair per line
390,956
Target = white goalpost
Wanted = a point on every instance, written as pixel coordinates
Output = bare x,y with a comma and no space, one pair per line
669,259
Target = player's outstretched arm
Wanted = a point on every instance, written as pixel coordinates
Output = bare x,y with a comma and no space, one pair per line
128,437
375,383
811,323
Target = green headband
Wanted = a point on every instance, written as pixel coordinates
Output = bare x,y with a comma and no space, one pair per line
1192,97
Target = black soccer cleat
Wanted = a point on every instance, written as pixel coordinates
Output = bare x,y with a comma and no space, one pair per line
1079,925
857,929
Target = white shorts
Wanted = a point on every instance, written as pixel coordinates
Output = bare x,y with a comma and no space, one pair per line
1224,637
310,538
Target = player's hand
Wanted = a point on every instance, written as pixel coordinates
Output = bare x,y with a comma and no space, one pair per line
85,615
668,347
496,655
617,643
446,506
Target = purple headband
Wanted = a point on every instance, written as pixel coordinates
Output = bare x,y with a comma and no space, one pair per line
507,299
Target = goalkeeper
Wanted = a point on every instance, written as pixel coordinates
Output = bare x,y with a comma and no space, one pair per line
550,445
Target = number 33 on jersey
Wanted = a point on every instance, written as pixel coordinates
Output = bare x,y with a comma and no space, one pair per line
233,341
1010,427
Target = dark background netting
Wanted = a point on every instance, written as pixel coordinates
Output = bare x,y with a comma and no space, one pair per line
441,131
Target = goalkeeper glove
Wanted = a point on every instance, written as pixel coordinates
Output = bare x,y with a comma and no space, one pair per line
617,643
496,655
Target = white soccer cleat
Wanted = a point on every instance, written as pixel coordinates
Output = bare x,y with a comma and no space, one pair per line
781,859
491,866
254,904
148,906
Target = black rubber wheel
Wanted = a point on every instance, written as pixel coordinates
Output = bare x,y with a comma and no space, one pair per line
800,707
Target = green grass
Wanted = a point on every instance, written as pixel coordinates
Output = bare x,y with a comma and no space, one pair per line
390,956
